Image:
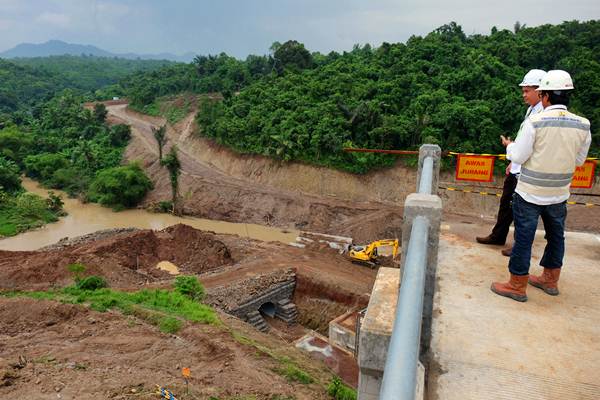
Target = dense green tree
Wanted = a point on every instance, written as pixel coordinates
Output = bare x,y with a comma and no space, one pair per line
100,112
160,134
10,181
448,88
171,162
120,134
42,166
292,55
66,145
15,144
120,187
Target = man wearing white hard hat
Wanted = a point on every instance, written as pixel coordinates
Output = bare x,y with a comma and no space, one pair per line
531,97
549,146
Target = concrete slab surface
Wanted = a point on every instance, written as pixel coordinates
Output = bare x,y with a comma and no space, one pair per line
489,347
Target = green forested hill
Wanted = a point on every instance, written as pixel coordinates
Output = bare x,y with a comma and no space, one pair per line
449,88
88,72
21,86
25,82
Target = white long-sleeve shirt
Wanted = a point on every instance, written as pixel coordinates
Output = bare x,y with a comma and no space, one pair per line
521,149
515,168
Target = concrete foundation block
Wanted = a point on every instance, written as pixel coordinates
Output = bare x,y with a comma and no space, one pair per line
342,331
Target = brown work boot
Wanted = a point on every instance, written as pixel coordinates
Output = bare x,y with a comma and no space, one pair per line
547,281
489,240
515,288
507,251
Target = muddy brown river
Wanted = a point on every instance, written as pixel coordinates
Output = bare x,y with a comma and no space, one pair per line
90,217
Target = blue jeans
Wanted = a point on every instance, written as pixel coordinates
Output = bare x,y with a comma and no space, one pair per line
526,217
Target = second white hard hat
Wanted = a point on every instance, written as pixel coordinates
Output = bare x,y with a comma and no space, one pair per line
533,77
556,79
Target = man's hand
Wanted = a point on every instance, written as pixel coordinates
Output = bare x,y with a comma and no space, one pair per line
508,168
505,140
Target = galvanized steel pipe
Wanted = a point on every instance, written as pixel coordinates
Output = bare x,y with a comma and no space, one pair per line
426,178
400,374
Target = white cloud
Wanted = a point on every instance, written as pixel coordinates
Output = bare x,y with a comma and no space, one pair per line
6,24
56,19
107,16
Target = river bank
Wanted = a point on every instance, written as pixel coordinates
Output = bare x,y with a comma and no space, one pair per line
86,218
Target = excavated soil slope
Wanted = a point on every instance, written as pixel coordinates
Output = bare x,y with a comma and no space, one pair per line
50,350
209,192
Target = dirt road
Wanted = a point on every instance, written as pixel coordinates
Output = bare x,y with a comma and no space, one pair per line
210,193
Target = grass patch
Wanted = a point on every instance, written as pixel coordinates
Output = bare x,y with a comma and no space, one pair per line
294,374
169,325
339,391
288,368
24,212
163,308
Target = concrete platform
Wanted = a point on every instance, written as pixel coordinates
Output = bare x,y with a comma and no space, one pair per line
489,347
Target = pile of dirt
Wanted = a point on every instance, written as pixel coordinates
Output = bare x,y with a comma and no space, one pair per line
90,237
125,259
50,350
230,297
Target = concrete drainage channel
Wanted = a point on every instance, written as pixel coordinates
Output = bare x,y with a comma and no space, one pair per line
274,302
271,295
251,299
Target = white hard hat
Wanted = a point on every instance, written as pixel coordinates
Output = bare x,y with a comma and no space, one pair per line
556,80
533,77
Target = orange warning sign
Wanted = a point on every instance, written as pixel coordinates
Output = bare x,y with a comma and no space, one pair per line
475,168
584,175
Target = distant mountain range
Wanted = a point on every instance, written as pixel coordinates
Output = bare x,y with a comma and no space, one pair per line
59,48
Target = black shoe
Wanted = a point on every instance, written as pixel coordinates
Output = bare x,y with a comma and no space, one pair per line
490,240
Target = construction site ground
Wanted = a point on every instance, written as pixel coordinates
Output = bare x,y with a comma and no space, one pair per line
51,350
490,347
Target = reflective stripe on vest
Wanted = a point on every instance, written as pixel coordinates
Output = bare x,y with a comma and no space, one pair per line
545,179
560,123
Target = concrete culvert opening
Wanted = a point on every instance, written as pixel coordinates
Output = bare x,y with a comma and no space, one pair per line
267,309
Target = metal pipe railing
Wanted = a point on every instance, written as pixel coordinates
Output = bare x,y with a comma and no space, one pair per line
426,178
400,373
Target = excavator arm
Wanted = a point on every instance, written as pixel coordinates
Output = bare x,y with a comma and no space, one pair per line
368,253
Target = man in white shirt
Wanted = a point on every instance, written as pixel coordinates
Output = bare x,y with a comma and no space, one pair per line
550,145
530,83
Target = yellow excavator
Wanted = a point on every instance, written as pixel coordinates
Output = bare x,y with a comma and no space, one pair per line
368,254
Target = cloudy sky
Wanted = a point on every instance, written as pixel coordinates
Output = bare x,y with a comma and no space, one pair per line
242,27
